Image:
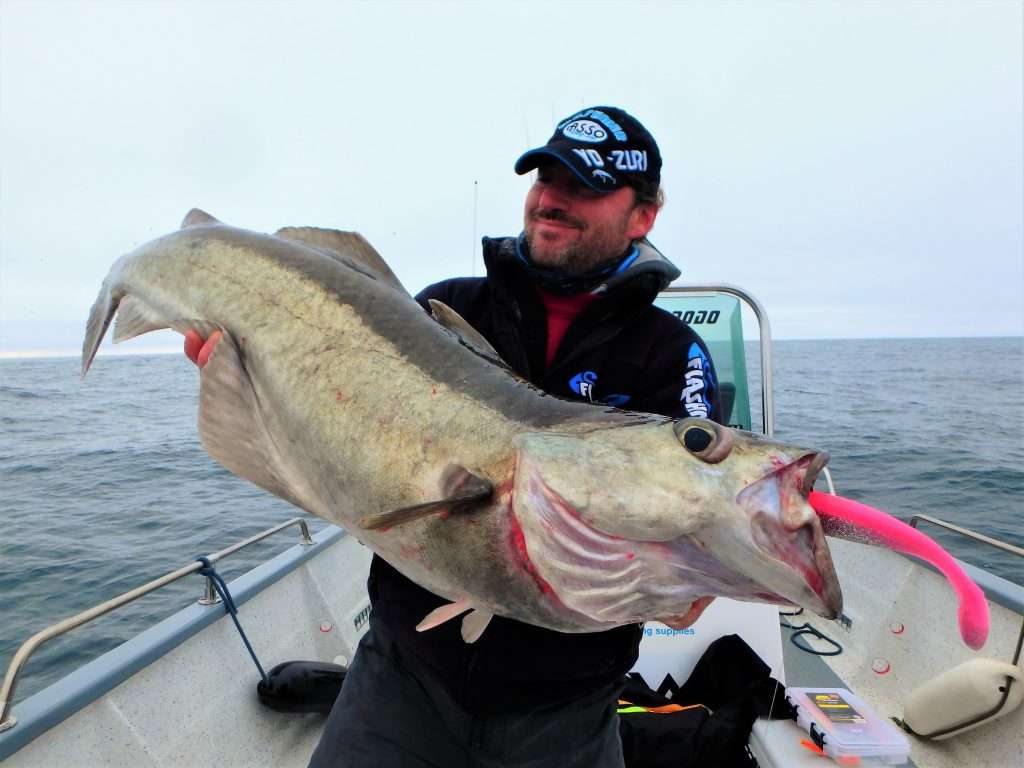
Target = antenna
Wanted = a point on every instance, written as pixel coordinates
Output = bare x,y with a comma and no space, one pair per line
475,245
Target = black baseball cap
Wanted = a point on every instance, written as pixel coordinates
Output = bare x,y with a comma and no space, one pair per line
606,147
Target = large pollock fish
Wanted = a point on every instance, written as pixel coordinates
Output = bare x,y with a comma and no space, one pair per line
333,389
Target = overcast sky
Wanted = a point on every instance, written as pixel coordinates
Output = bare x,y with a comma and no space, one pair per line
856,166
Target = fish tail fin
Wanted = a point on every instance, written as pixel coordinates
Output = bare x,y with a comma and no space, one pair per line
99,320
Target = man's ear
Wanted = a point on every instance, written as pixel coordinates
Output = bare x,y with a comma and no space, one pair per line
641,220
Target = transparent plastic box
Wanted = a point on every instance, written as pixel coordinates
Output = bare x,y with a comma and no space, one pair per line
846,728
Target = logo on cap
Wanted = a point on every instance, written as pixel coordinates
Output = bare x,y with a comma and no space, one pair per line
585,130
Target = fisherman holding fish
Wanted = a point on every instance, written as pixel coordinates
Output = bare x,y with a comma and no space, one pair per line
568,305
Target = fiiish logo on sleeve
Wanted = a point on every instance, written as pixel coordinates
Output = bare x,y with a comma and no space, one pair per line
583,384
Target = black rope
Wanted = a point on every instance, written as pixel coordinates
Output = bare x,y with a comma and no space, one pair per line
806,629
209,571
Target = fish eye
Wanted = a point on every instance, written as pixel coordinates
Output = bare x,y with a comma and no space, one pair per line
696,439
705,439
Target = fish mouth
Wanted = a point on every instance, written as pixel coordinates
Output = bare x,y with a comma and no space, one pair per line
786,528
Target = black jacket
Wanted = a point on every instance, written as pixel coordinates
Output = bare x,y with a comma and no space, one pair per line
620,350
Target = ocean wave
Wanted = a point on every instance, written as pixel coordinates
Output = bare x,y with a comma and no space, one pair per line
18,393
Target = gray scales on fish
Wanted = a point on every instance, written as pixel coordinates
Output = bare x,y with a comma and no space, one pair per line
333,389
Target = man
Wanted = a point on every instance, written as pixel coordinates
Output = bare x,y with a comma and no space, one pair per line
568,305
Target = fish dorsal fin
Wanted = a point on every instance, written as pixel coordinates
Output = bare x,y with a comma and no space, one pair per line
442,614
197,218
470,336
339,245
238,434
462,492
474,624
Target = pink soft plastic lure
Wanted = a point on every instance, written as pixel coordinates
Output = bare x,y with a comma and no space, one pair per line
847,519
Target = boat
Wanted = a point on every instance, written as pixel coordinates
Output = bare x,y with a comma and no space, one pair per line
183,692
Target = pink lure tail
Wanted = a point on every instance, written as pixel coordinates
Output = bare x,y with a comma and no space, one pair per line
847,519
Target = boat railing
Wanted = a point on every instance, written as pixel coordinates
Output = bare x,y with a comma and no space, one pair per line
998,544
209,597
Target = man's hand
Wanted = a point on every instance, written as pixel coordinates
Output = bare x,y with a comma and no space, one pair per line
198,349
682,622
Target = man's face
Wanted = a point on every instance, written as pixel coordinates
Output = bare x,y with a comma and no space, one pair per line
572,228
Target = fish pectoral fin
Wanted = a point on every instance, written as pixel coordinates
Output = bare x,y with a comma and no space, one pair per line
344,247
474,624
442,614
465,492
395,517
469,335
233,429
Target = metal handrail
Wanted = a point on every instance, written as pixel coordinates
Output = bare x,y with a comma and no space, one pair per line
26,649
764,329
1005,546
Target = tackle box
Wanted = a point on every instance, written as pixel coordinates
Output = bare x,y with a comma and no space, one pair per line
846,729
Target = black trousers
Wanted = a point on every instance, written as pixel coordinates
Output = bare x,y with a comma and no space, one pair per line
391,714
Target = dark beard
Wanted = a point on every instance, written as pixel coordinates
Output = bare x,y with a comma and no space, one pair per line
581,258
576,260
560,282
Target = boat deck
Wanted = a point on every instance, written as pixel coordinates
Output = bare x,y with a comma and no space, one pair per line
183,692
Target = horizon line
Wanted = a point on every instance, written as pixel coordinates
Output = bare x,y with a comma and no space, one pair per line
55,352
59,352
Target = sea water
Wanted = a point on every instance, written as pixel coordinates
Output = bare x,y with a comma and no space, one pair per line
104,484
